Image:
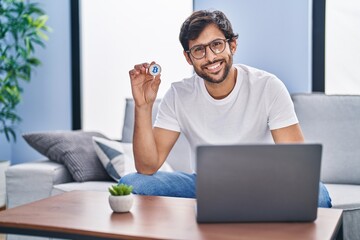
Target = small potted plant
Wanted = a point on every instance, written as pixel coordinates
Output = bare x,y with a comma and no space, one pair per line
121,198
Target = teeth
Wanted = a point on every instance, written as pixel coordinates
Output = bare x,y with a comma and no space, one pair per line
213,67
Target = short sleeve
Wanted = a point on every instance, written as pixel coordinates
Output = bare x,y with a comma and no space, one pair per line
281,112
166,116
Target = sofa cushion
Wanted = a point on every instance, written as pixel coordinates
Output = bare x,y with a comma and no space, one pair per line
118,158
347,197
179,156
128,128
101,186
344,196
39,178
333,121
74,149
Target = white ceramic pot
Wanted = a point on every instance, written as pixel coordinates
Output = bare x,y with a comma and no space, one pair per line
121,203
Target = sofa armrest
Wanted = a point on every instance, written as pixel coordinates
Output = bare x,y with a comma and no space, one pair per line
28,182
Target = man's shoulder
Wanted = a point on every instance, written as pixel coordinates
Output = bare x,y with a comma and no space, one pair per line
186,84
253,71
260,79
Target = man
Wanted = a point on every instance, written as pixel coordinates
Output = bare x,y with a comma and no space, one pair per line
222,103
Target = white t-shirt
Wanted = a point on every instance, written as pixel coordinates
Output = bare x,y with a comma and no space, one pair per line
258,103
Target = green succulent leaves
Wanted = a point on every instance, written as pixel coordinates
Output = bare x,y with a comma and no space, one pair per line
120,189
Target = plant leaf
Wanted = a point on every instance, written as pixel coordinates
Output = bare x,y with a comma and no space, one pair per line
42,35
22,24
34,61
112,191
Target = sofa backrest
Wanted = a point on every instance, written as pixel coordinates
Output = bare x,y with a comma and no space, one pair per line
179,157
334,121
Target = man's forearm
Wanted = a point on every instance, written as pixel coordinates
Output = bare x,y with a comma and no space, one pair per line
144,145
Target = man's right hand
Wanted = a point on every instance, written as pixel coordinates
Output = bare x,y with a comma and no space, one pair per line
143,85
151,146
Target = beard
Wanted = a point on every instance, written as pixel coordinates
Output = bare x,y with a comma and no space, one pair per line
214,79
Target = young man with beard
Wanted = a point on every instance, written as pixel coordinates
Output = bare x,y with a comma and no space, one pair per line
222,103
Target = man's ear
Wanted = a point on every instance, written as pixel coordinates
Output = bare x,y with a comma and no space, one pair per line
233,45
188,59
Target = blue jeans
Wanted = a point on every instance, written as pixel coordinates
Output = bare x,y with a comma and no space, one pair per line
324,197
179,184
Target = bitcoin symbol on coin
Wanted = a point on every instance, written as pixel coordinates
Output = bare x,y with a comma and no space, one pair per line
154,69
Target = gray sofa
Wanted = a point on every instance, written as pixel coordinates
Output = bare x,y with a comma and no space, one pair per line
333,121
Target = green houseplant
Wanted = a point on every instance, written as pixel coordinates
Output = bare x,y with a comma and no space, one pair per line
22,27
121,198
120,190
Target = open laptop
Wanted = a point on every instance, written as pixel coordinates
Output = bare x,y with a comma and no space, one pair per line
258,183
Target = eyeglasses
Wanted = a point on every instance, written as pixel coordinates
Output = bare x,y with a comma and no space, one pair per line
217,46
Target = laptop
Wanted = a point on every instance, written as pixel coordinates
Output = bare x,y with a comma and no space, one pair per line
258,183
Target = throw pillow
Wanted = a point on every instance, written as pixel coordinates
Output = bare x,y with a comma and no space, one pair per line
118,158
74,149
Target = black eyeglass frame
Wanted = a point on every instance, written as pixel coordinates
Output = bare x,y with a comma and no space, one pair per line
207,45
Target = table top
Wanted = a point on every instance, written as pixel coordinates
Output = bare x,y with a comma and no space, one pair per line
88,214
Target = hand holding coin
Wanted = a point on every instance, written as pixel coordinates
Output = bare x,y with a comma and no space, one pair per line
145,81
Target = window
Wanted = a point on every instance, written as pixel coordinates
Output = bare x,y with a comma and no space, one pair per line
116,35
342,48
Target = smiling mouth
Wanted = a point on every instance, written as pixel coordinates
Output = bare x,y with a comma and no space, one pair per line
214,67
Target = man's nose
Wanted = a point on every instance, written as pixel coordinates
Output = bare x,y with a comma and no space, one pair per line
209,54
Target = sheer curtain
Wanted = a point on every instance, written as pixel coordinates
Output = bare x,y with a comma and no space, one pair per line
342,49
116,35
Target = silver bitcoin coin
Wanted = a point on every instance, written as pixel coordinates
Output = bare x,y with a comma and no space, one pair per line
154,69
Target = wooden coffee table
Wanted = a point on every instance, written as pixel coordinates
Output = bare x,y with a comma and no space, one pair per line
87,215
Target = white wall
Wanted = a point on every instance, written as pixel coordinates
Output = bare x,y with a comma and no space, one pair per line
274,35
115,36
342,49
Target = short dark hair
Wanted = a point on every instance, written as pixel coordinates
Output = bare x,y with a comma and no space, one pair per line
196,23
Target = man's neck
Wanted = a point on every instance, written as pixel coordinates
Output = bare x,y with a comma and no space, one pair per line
223,89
